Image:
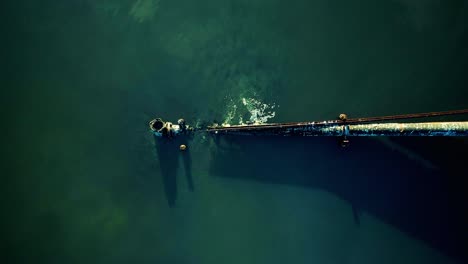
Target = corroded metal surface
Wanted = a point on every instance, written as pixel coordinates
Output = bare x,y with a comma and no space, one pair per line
410,129
338,128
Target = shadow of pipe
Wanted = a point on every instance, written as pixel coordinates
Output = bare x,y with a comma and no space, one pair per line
368,175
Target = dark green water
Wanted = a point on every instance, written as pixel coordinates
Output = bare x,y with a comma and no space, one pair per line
85,182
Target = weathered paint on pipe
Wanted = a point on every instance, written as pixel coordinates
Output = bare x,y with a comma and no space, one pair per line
378,129
405,129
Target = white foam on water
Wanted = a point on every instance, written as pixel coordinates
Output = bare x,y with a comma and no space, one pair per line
230,114
258,112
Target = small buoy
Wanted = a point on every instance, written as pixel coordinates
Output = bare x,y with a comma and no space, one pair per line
183,147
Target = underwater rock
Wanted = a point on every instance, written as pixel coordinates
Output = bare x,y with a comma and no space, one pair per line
143,10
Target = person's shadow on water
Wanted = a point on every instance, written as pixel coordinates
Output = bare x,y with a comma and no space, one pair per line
168,154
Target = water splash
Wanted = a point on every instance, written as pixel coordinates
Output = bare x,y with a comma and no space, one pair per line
259,111
252,110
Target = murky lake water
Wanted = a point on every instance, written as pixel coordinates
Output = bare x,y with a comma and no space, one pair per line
87,182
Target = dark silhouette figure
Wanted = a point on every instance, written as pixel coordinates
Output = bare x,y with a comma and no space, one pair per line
169,154
187,159
356,215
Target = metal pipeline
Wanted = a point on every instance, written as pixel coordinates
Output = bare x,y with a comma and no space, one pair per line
372,129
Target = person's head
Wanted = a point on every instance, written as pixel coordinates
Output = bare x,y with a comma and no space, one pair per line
181,123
